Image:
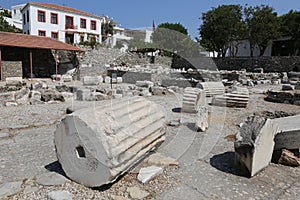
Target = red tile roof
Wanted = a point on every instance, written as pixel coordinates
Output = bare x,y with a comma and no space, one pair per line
62,8
33,42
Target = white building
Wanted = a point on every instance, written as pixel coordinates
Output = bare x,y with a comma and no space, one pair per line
16,16
119,35
60,22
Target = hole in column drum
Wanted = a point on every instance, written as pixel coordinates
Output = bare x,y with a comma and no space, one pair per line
80,152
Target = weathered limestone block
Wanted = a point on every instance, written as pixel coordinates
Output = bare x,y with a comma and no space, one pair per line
146,84
22,96
202,119
7,97
159,91
282,96
288,134
83,94
107,79
35,97
51,95
288,87
90,80
14,81
193,98
285,78
255,144
67,78
97,145
212,88
238,97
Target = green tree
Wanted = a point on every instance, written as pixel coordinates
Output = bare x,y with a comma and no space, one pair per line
175,27
6,13
174,38
221,28
262,26
107,29
290,26
5,27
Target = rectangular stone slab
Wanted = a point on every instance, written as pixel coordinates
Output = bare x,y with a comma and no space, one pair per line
288,134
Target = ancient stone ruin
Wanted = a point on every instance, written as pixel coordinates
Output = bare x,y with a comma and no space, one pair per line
237,97
259,138
193,99
254,145
97,145
212,88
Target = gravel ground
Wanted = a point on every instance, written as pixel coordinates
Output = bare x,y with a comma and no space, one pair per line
205,170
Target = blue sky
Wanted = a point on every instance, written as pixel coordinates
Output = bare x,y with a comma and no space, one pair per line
139,14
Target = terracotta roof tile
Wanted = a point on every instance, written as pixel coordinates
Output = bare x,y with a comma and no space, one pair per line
63,8
33,42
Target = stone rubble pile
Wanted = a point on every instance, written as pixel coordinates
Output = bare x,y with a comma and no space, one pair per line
284,96
37,93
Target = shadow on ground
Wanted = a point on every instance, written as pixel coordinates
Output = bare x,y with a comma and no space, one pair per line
176,110
225,163
56,167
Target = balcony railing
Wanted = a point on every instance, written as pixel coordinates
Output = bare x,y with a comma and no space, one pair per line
70,26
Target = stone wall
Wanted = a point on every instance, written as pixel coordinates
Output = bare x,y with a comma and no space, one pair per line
269,64
11,69
43,63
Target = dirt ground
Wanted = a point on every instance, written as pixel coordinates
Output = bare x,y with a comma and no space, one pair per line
206,159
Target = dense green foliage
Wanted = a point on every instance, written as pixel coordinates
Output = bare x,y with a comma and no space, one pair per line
262,26
6,13
290,26
107,29
223,27
5,27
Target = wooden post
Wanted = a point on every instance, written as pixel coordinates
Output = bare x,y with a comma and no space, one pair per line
30,58
56,64
1,65
78,69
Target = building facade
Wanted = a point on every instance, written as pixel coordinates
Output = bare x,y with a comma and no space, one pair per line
60,22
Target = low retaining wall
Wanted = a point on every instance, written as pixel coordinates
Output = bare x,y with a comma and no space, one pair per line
269,64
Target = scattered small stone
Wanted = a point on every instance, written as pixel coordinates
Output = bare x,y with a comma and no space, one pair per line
50,178
30,189
17,127
10,188
4,135
161,160
59,195
202,119
289,159
137,193
147,173
115,197
174,123
8,104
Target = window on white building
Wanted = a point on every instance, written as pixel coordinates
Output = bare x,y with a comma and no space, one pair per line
42,33
82,23
41,16
93,25
54,18
54,35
